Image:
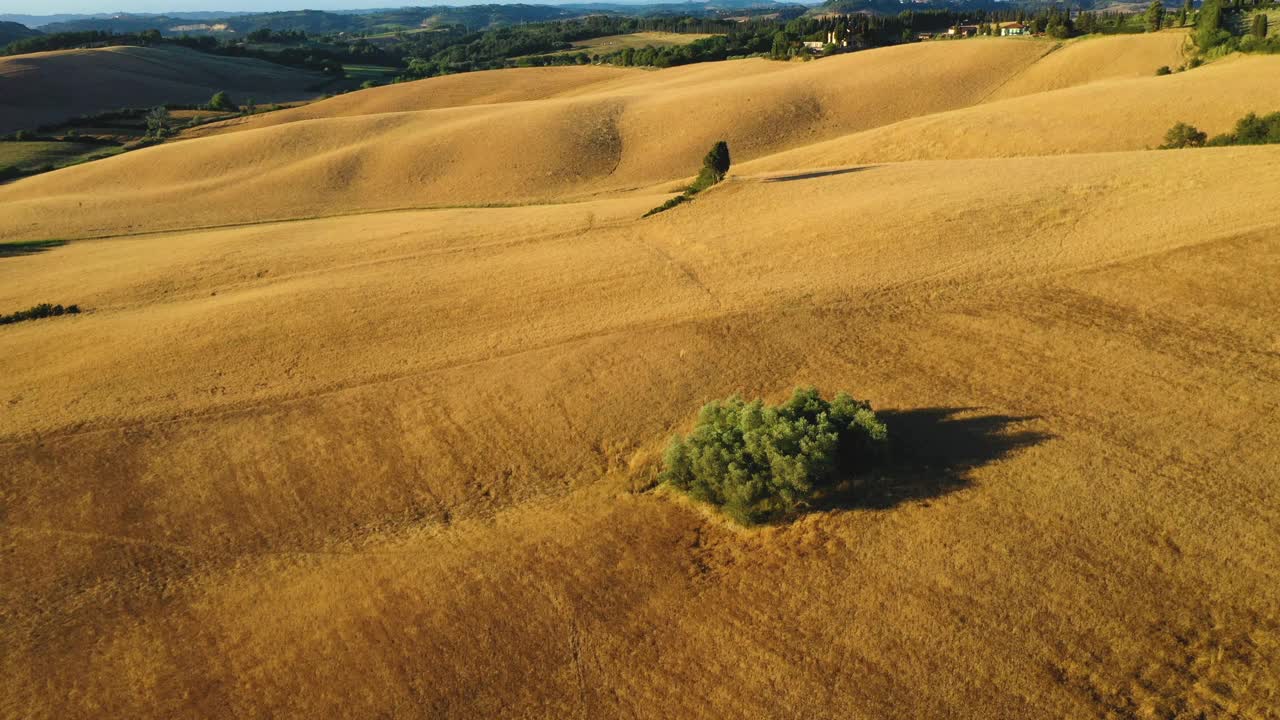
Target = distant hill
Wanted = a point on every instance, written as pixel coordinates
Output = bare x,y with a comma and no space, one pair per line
10,31
34,21
476,17
50,87
39,21
680,8
893,7
121,24
316,22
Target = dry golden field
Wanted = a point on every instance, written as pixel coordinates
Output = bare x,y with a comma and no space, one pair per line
637,40
363,412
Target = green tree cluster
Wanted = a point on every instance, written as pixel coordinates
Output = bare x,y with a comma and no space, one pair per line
756,461
1154,17
1209,32
1184,13
454,49
781,48
1252,129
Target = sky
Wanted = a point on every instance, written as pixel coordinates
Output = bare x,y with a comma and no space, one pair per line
52,7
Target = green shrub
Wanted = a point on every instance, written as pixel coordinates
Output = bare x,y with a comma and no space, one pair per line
756,461
706,178
1182,135
158,122
36,312
222,101
1163,70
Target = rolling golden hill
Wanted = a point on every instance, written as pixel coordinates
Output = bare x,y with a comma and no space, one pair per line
1090,59
1138,112
333,459
590,130
447,91
50,87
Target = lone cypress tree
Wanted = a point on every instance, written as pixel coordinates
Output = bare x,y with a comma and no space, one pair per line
718,159
714,167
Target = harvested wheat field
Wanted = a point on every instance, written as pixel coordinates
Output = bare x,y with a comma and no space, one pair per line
364,411
50,87
637,40
1086,60
1138,112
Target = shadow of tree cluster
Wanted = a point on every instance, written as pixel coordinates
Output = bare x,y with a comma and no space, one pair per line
28,248
933,453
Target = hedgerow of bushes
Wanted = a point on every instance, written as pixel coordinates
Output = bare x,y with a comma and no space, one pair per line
36,312
756,462
1251,129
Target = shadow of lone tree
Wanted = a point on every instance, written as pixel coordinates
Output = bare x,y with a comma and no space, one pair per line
760,463
934,451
